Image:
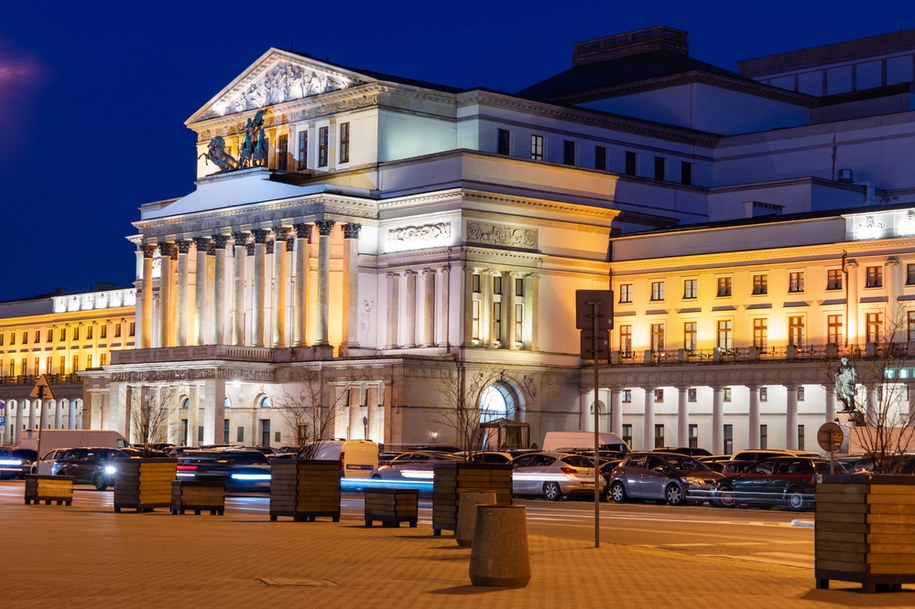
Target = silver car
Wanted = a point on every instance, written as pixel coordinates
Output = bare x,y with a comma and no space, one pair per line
669,477
417,465
553,475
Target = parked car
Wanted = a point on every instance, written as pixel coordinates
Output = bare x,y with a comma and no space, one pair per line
91,465
415,465
45,464
488,456
758,454
662,476
553,475
786,481
239,469
16,462
685,450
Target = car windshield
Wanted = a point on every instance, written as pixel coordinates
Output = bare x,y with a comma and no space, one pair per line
683,462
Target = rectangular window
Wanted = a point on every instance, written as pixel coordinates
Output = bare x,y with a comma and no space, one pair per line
322,146
519,287
282,153
801,394
344,143
728,439
658,396
874,327
910,274
475,283
689,336
724,286
800,437
626,397
625,290
103,330
727,394
686,173
63,364
102,359
536,147
568,152
627,433
89,332
132,329
873,277
49,362
659,435
75,364
497,284
225,431
497,321
240,434
88,361
265,432
761,333
690,288
12,368
659,168
911,327
657,337
475,320
760,284
691,395
302,161
117,330
503,145
600,158
62,337
657,290
25,336
49,336
834,331
763,394
796,281
834,279
626,341
796,330
630,168
764,436
725,334
519,323
693,435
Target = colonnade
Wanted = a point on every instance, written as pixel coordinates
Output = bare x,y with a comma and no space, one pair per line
26,414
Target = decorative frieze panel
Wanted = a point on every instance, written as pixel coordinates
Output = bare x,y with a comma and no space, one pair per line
193,374
404,238
501,235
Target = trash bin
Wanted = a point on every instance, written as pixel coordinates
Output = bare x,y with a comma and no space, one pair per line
500,556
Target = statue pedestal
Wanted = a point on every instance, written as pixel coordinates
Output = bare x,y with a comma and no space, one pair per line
851,418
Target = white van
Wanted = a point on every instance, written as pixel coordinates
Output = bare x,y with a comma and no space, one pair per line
554,440
358,458
46,440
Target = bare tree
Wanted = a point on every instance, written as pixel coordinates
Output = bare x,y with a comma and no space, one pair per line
149,410
464,409
309,414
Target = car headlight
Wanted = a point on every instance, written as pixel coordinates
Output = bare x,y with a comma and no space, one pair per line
694,481
110,470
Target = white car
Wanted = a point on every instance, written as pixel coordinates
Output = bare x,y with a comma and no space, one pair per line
44,465
418,465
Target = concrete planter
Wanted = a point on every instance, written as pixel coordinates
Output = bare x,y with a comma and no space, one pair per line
144,484
305,489
450,478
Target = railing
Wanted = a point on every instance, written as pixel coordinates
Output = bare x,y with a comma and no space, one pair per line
31,379
893,351
206,352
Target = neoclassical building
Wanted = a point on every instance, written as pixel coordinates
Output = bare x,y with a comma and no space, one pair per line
381,235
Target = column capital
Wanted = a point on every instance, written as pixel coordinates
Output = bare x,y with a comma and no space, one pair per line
249,248
240,238
149,249
204,244
892,261
324,227
281,233
302,231
270,245
168,250
351,231
290,245
851,262
260,235
184,245
220,241
391,274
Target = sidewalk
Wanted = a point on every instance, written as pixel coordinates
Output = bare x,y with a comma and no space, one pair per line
82,557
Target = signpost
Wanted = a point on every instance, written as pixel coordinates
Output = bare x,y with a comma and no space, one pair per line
594,317
832,437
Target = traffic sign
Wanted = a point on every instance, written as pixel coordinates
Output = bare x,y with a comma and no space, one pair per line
42,390
2,421
832,437
603,345
585,301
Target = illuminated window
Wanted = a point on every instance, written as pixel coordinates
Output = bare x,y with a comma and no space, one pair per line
625,290
497,320
48,362
537,147
63,365
568,152
690,288
725,335
728,433
760,333
302,161
63,334
322,147
657,337
12,338
282,153
693,435
344,142
659,435
796,330
873,277
689,336
691,394
625,341
519,287
834,334
626,397
801,395
89,332
475,283
834,279
75,364
25,367
760,284
25,337
117,330
796,281
475,320
497,284
686,173
103,330
49,336
724,286
2,337
600,158
874,327
12,368
132,328
103,359
38,336
657,290
658,396
763,394
88,361
503,145
659,168
76,332
630,168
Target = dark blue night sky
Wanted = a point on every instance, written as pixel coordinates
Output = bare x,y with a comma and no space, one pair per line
93,95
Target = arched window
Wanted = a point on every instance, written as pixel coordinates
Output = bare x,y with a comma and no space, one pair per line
496,402
227,403
185,403
264,401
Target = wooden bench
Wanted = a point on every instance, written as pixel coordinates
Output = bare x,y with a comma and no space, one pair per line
199,496
391,506
40,488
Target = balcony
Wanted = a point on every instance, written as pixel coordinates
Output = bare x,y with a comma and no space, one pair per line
198,353
876,351
31,379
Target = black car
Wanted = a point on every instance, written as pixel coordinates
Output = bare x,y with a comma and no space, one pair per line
94,466
788,481
239,469
16,462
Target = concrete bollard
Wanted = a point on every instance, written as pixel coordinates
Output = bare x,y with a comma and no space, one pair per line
467,514
499,556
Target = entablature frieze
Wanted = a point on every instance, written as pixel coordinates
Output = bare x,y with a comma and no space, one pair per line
762,374
172,375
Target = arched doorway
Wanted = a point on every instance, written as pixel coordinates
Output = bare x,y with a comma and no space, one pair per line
500,408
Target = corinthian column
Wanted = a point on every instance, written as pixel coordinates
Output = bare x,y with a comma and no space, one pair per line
409,317
260,287
281,279
181,316
168,254
351,284
324,228
300,304
238,294
428,328
145,338
219,296
200,293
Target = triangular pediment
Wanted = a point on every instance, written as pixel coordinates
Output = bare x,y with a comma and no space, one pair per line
278,77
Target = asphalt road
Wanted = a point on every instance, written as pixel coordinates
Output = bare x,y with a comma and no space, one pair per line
747,534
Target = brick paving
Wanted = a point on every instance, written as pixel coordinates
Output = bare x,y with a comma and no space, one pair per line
89,557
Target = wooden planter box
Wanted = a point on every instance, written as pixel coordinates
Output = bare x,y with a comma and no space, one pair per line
48,488
198,496
391,506
144,484
451,478
305,489
865,531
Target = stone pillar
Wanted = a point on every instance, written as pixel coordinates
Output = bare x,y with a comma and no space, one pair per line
872,405
204,245
116,419
486,325
532,287
443,307
393,311
508,310
324,229
682,418
830,402
753,435
168,253
144,340
259,287
356,428
468,305
616,410
238,290
300,306
213,410
194,403
351,285
376,431
219,305
409,316
852,299
58,412
428,314
71,415
181,308
717,420
791,417
648,439
281,251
